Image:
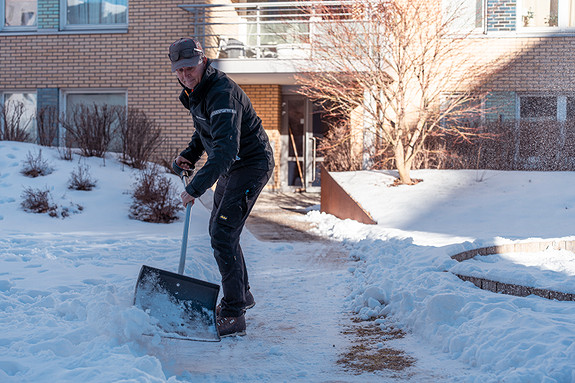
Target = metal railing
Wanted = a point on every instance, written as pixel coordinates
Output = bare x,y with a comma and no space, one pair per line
273,30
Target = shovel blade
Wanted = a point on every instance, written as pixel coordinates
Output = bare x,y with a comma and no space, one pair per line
184,307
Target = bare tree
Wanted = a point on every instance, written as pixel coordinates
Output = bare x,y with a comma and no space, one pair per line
396,60
12,125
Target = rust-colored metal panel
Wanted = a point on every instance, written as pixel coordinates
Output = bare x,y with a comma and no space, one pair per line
336,201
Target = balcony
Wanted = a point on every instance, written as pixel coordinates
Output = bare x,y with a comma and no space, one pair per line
264,37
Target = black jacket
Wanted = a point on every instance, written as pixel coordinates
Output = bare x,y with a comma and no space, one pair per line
226,128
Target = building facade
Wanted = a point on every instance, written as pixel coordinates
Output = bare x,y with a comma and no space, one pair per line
62,53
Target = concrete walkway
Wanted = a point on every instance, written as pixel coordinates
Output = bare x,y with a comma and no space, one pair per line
279,217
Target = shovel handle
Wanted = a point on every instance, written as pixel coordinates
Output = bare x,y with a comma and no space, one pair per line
185,175
185,240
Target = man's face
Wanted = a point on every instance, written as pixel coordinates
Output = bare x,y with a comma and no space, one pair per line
191,76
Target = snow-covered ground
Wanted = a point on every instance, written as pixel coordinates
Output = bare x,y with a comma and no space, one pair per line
66,285
404,258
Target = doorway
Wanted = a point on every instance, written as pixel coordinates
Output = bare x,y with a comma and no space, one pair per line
302,130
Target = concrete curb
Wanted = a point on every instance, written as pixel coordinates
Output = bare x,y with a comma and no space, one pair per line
512,289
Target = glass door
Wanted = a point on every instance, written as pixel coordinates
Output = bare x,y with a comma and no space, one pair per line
302,130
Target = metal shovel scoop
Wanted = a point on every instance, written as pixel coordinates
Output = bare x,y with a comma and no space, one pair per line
184,307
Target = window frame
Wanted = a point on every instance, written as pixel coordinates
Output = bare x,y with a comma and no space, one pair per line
19,28
561,118
64,26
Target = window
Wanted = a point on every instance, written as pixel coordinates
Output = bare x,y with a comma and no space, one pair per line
95,13
462,111
89,99
18,116
545,14
465,15
538,107
18,14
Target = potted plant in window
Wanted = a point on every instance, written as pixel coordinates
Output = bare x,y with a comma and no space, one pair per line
528,18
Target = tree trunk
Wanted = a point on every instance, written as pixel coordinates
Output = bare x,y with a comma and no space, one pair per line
402,166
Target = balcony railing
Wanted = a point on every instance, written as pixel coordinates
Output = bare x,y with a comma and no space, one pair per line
265,30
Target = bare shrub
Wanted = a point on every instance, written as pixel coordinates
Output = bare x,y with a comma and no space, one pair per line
80,179
38,201
65,151
336,147
47,122
13,128
140,136
35,165
154,198
495,150
91,128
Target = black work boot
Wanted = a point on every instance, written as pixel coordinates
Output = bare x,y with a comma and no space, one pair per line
231,326
250,302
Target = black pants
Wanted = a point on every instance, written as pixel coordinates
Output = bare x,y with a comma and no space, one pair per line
234,198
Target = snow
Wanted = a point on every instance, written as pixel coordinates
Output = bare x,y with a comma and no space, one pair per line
67,284
405,257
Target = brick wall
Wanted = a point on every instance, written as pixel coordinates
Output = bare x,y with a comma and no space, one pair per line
502,15
266,100
525,64
48,14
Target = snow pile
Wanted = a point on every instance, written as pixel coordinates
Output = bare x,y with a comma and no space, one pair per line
401,266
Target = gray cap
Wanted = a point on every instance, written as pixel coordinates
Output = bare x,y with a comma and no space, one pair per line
185,52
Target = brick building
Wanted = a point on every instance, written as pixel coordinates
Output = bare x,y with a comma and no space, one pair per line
64,52
114,52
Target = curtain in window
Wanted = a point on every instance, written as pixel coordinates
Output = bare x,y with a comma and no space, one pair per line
571,14
20,13
94,12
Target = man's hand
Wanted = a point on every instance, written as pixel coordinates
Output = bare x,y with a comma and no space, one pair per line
186,198
183,163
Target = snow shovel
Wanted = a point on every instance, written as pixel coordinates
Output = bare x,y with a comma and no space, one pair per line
184,307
